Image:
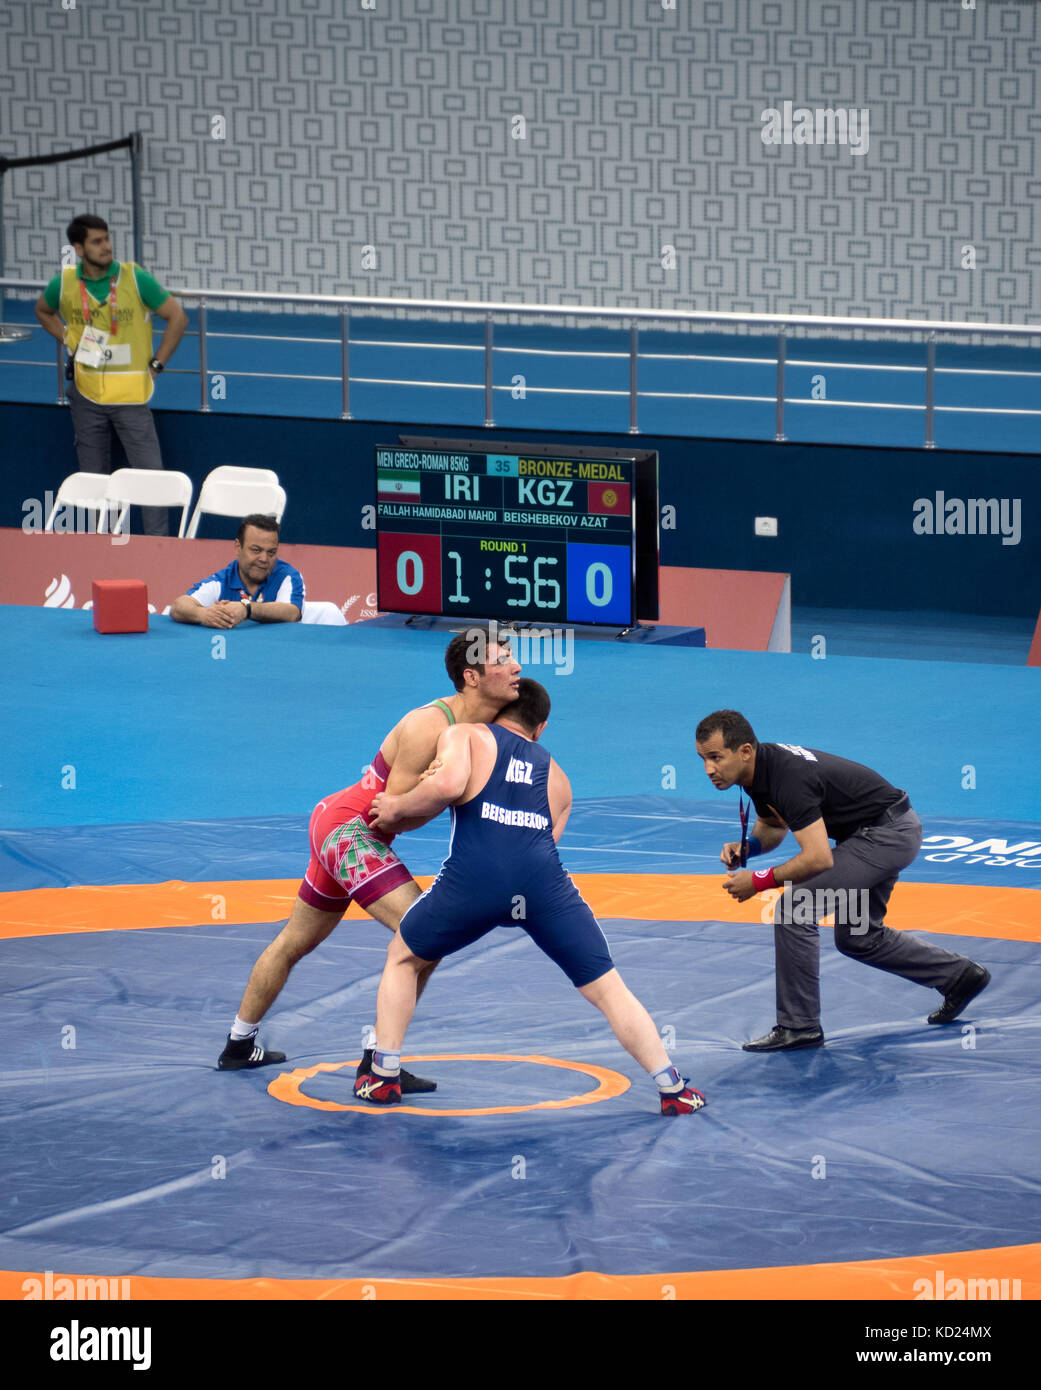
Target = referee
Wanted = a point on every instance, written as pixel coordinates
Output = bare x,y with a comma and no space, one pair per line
820,797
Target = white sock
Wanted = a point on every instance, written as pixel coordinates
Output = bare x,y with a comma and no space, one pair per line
668,1079
385,1063
240,1030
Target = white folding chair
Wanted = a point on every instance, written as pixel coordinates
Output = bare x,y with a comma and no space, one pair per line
88,491
322,613
230,498
232,473
149,487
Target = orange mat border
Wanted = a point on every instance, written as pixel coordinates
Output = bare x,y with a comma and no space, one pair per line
286,1086
889,1280
969,910
1011,914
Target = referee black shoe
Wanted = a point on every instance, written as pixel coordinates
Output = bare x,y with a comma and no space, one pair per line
972,980
410,1085
241,1054
785,1040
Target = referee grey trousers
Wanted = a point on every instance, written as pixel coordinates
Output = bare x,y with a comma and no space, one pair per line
93,425
856,889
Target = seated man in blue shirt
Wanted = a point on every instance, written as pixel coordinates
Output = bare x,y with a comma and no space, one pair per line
256,585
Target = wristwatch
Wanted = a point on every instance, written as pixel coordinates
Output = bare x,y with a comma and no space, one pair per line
156,365
247,603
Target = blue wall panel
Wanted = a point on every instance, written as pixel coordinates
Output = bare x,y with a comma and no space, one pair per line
844,514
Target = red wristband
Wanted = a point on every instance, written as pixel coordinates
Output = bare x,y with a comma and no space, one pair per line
763,879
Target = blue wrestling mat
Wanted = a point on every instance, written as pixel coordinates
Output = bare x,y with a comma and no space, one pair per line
156,801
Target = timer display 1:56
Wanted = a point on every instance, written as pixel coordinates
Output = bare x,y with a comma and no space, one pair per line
474,577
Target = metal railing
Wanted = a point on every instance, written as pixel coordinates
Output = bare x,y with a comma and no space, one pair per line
491,311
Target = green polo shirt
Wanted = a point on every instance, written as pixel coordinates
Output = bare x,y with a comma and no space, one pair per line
151,292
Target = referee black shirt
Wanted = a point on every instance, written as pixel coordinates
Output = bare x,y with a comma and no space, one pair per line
802,785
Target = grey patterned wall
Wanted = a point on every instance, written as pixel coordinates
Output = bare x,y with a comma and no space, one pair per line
392,125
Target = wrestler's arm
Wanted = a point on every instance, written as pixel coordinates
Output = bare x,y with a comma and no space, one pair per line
558,788
430,797
415,744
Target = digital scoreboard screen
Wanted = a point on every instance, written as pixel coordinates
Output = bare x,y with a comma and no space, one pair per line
485,535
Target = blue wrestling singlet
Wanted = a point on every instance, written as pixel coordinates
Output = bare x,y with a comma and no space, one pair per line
503,868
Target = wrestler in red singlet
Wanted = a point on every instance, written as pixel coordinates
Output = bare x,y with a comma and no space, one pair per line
351,862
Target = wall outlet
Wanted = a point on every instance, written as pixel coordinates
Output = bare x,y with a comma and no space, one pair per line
766,526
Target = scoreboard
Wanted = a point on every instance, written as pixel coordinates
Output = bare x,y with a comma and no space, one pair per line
485,535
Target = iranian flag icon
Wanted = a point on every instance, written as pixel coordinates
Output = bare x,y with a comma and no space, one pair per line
396,484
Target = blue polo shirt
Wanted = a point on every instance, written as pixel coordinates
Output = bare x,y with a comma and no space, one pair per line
283,585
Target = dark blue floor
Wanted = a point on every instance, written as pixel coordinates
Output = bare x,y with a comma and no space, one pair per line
911,636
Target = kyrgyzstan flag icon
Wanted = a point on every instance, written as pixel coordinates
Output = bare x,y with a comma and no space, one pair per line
609,497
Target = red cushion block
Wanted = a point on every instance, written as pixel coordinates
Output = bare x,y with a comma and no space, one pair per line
120,605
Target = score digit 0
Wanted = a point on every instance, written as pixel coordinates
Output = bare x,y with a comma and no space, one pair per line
599,568
417,572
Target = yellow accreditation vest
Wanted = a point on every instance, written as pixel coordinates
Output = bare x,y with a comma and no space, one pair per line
124,379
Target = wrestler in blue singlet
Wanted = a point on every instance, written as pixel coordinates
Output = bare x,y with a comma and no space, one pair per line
503,867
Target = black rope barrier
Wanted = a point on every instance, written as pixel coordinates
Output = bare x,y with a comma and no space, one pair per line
127,143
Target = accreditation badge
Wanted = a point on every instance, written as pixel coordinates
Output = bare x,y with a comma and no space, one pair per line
94,349
97,349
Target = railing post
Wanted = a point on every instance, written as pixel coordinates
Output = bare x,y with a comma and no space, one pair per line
204,403
9,333
782,357
489,376
345,360
634,376
137,146
930,389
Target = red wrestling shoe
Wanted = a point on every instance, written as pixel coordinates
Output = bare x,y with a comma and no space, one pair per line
378,1090
683,1102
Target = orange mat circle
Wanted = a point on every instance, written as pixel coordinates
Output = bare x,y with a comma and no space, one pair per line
286,1086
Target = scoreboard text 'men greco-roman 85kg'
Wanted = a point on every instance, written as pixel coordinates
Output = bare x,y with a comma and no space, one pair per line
549,540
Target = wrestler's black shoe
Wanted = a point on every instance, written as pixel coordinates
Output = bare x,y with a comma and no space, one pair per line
785,1040
241,1053
972,980
410,1085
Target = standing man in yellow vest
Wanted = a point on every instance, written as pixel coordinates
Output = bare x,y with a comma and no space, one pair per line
107,307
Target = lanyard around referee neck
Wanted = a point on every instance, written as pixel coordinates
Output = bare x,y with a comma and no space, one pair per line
88,312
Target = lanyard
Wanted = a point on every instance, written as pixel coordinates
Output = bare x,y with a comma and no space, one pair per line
88,312
744,829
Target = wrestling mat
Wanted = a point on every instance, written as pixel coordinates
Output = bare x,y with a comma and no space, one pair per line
157,800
